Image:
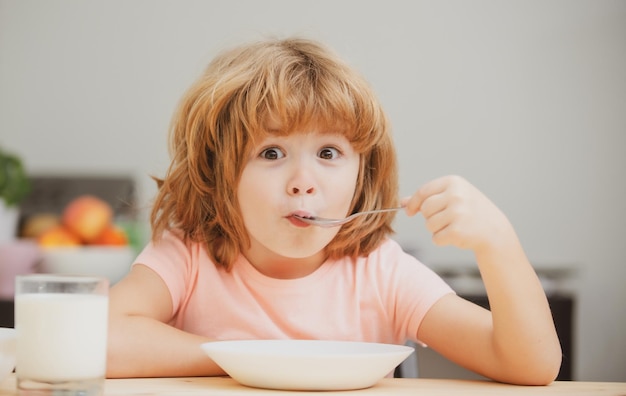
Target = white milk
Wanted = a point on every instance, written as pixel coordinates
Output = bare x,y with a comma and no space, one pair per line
77,323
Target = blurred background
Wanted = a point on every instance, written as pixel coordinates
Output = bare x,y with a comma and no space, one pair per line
526,99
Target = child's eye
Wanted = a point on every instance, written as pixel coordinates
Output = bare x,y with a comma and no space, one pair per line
272,153
328,153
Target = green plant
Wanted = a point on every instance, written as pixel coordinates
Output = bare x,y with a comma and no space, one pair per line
14,182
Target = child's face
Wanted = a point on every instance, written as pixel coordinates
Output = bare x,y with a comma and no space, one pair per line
310,174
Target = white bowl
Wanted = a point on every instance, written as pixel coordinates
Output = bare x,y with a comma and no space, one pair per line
112,262
306,364
8,341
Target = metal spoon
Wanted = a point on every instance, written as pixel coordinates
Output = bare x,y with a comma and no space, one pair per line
326,223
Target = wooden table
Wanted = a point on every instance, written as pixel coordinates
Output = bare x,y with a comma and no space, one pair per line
218,386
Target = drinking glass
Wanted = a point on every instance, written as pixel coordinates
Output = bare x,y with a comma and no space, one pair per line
61,323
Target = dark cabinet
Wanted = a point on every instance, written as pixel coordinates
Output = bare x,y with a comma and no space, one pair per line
432,365
7,313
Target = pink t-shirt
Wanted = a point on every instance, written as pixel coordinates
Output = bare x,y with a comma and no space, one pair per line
379,298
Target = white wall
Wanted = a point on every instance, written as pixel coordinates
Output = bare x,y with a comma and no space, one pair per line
527,99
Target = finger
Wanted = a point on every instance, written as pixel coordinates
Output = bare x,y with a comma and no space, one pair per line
452,235
404,201
437,222
414,203
433,205
449,232
442,237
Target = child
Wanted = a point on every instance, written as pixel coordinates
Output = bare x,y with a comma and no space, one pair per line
283,128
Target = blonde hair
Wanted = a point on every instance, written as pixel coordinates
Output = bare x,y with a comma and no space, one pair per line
298,83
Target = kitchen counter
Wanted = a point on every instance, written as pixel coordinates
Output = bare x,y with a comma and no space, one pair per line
218,386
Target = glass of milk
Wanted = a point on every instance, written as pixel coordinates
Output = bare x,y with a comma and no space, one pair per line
61,323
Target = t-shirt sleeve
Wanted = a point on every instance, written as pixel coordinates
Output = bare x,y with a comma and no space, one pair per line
412,290
171,259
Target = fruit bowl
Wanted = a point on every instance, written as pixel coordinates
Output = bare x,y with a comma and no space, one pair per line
112,262
8,341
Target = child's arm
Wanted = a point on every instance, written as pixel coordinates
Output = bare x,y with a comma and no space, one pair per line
516,342
141,343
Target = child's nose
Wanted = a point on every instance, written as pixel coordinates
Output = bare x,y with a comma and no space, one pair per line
296,190
301,183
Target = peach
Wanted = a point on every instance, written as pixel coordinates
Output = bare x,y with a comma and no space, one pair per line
37,224
112,236
87,216
58,236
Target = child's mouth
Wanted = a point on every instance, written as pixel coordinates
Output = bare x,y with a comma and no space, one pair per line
296,218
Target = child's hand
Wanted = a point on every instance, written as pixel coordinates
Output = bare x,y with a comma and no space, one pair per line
458,214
